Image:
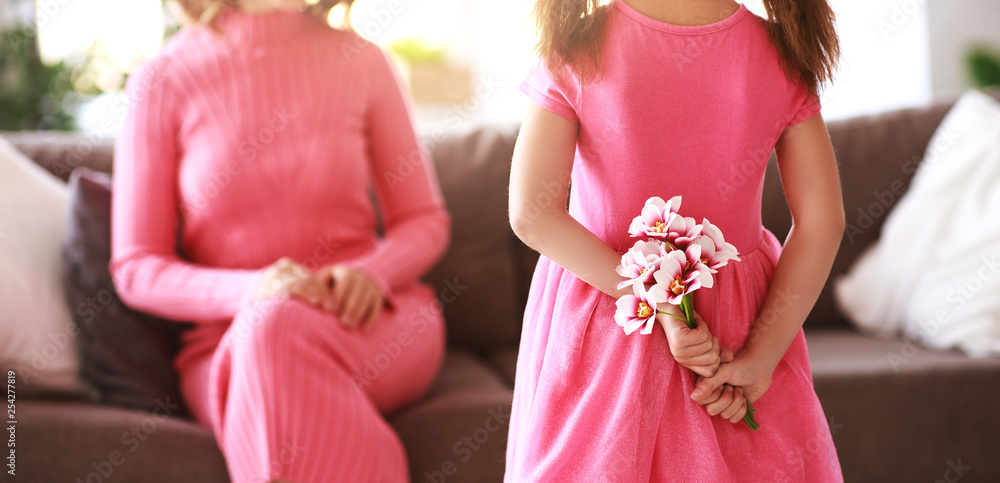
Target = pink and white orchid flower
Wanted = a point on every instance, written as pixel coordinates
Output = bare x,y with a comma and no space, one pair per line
655,217
696,262
677,276
682,231
715,252
636,310
640,262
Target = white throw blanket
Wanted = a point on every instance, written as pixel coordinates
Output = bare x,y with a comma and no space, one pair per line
934,274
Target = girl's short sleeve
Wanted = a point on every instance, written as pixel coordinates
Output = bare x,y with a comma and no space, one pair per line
559,94
801,102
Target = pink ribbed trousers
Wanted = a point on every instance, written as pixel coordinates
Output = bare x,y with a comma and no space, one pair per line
292,395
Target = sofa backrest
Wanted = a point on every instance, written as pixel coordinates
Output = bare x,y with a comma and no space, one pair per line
484,277
62,152
877,156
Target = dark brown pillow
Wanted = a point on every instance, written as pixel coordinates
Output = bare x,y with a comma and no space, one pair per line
126,355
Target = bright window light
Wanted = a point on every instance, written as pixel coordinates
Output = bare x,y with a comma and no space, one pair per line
122,31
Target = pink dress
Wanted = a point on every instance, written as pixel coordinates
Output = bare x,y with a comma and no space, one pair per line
680,110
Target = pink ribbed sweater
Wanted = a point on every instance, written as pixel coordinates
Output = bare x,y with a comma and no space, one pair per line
258,144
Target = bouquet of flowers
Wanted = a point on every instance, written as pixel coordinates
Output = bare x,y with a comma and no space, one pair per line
677,257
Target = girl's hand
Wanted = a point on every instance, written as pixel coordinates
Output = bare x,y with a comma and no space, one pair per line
286,278
726,401
355,297
745,372
695,348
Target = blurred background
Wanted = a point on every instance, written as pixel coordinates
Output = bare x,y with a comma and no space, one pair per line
64,61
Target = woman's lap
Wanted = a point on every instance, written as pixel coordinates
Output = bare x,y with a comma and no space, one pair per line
393,364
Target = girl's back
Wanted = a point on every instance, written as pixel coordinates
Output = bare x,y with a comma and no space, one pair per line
676,109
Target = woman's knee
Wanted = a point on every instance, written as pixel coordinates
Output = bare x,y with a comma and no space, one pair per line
401,370
272,322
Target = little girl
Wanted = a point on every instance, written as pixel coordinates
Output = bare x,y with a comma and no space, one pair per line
642,98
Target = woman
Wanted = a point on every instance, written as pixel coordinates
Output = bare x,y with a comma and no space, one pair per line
242,204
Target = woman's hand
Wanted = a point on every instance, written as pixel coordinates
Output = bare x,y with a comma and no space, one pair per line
355,296
347,292
286,278
696,348
744,372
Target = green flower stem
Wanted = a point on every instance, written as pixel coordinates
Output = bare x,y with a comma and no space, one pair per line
687,306
748,418
672,315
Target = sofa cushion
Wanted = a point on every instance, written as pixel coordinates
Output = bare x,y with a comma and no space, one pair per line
938,249
476,277
836,353
902,412
126,355
462,420
504,361
37,334
458,432
67,441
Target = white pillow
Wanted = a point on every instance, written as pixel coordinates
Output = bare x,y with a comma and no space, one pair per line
933,274
37,333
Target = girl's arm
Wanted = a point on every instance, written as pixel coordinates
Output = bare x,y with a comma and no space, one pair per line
809,176
539,183
811,183
149,274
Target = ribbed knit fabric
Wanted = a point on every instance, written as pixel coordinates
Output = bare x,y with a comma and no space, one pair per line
260,141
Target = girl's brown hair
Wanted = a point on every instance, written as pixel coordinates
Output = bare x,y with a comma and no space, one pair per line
805,35
205,11
571,32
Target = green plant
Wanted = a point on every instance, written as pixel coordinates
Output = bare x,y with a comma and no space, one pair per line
984,66
417,50
32,95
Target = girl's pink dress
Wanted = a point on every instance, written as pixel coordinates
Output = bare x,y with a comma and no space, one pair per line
679,110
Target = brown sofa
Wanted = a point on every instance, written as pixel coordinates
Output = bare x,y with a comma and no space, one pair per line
899,412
